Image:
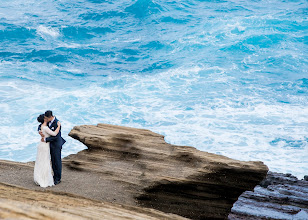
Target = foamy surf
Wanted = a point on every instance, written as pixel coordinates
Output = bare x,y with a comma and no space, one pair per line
44,31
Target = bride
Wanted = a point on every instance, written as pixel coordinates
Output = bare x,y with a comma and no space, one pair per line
42,168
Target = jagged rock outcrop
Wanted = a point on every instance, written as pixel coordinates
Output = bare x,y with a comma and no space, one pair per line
279,196
148,172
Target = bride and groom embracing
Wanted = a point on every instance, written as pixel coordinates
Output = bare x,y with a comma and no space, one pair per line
49,149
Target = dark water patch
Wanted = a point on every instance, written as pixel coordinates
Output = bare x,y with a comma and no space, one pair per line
303,83
51,56
132,59
213,1
290,143
286,25
232,9
265,41
143,8
130,51
239,48
57,59
80,33
36,56
102,30
40,53
158,66
174,20
301,11
73,73
83,33
32,15
102,15
129,55
6,55
100,64
45,55
87,52
157,45
97,1
15,33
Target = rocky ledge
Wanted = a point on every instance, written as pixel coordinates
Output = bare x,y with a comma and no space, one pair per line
152,173
278,196
21,203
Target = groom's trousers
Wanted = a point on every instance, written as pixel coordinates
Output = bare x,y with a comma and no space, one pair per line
55,153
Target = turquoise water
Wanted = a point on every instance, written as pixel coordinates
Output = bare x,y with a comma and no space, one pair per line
227,77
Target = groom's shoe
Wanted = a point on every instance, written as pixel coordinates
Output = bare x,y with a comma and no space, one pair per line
57,182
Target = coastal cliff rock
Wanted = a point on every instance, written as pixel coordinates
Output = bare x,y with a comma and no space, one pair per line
146,171
278,196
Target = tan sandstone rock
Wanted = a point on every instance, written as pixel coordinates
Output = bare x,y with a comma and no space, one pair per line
137,167
21,203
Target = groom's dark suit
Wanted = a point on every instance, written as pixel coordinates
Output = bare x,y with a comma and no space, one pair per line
56,143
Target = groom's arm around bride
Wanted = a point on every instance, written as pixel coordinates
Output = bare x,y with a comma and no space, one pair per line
53,125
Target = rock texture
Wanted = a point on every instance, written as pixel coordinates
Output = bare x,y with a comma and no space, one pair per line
20,203
148,172
279,196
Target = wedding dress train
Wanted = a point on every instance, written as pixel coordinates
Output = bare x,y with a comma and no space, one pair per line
42,168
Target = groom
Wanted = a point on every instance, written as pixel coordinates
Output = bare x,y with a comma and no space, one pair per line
56,143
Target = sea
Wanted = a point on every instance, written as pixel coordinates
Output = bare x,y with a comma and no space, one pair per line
228,77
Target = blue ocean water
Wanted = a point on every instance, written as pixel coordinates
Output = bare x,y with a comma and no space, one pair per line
227,77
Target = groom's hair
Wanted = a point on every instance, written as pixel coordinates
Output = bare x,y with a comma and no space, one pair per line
48,113
40,118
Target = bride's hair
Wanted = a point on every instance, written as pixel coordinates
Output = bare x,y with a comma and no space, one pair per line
40,118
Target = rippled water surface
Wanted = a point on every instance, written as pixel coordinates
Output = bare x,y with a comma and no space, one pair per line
228,77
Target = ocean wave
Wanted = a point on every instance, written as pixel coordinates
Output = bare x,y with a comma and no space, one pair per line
16,33
96,16
81,33
142,8
44,31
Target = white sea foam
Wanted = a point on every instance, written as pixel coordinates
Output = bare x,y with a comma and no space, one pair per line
71,45
44,31
74,70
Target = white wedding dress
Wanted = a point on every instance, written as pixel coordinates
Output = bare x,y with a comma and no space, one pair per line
42,168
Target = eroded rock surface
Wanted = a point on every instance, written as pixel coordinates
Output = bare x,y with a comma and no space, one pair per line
279,196
148,172
21,203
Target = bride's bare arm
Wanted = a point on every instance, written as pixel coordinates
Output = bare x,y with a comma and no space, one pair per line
54,133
